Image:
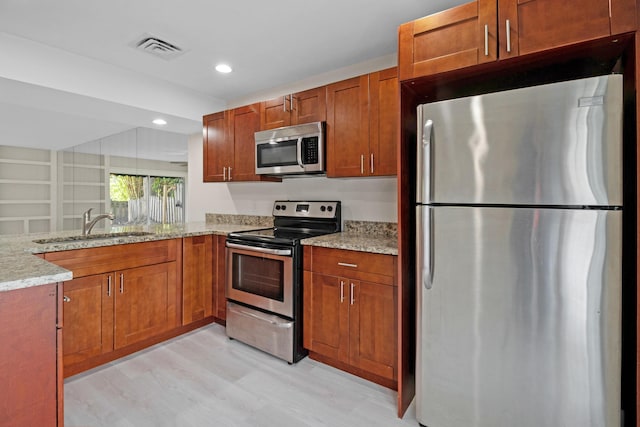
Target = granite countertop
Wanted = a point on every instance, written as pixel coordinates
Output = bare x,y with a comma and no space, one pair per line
364,236
21,268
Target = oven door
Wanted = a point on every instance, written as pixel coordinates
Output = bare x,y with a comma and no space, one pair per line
261,277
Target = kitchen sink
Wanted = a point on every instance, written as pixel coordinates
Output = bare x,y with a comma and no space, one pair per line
102,236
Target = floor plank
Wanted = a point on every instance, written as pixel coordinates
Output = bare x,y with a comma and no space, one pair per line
205,379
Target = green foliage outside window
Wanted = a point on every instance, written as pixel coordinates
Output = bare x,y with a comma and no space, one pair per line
125,187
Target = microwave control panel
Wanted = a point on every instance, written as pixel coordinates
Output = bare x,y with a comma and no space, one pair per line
310,150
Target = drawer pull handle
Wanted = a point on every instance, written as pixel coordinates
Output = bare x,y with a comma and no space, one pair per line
66,299
346,264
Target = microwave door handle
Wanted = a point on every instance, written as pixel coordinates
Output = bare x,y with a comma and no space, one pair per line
299,153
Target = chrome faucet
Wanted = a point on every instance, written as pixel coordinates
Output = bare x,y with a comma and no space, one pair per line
88,223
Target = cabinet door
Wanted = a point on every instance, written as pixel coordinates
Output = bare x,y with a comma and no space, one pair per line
220,289
326,321
384,121
455,38
372,323
536,25
348,127
197,278
309,106
275,113
88,318
145,303
217,149
244,124
28,367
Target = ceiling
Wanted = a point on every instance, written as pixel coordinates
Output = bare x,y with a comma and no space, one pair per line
69,72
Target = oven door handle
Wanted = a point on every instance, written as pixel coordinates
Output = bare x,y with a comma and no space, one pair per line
281,252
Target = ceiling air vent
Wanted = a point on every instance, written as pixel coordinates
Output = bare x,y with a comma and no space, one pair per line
155,46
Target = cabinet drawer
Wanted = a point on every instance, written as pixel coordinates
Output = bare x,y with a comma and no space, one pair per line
378,268
85,262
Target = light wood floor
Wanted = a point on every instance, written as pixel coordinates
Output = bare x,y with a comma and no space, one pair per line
205,379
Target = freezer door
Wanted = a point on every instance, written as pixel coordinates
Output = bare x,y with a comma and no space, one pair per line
557,144
518,317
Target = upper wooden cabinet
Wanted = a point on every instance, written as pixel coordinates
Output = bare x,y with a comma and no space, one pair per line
384,121
362,125
294,109
229,145
489,30
218,152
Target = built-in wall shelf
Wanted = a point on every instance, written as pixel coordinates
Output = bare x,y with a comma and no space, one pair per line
27,190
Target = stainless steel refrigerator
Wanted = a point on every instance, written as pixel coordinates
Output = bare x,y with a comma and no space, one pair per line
519,228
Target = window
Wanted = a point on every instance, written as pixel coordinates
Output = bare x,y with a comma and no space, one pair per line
144,199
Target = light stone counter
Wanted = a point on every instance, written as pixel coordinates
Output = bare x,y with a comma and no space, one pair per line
20,268
364,236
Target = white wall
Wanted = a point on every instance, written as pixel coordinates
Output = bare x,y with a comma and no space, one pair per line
372,199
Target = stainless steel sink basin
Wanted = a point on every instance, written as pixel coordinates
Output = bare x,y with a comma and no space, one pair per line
102,236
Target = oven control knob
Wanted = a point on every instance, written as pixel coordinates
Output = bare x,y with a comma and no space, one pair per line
323,208
329,208
278,207
284,207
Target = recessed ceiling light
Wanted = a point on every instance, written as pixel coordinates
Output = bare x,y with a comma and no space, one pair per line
160,122
223,68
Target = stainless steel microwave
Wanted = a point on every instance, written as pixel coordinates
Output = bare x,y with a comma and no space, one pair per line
291,150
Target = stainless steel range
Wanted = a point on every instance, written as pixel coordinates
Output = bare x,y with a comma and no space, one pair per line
264,277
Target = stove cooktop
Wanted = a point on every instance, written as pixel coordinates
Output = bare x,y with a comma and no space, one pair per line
296,220
278,233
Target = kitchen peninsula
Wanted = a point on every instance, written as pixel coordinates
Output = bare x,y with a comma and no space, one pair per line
32,297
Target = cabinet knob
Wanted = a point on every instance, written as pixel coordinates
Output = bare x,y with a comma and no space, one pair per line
66,299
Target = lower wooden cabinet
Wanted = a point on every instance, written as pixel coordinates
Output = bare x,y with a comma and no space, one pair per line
31,392
350,318
220,299
88,317
198,277
145,303
106,311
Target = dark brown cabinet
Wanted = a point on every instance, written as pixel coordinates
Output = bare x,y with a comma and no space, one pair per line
88,317
350,316
294,109
145,303
220,309
197,278
229,145
362,125
488,30
217,151
121,295
31,393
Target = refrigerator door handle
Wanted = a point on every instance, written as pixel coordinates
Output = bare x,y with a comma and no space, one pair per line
425,246
423,175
